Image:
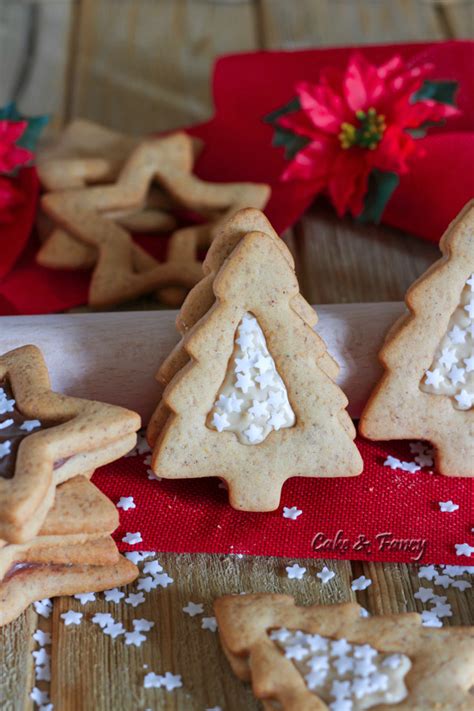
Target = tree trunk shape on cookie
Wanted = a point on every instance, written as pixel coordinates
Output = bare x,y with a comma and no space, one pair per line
254,291
427,390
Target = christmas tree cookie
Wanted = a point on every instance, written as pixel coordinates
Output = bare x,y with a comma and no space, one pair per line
427,391
329,657
253,404
201,298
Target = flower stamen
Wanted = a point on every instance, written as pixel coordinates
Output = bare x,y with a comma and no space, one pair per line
367,134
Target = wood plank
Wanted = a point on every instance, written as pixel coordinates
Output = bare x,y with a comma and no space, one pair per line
322,23
178,644
457,17
34,39
339,261
149,69
16,662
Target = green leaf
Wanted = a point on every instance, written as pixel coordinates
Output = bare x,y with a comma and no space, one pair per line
291,142
33,130
442,91
382,184
293,105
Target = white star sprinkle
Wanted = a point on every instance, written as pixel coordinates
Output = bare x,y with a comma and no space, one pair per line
113,595
325,575
135,638
457,335
5,448
85,597
464,400
126,503
29,425
434,377
469,363
295,571
448,506
361,583
424,594
194,608
429,619
220,422
132,538
171,681
5,424
448,358
71,617
259,408
277,420
254,433
153,567
38,696
146,584
41,656
209,623
142,625
292,512
243,382
135,599
427,572
470,308
163,580
464,549
114,630
103,619
457,375
266,379
42,637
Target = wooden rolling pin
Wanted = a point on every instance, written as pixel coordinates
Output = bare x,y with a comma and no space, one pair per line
113,357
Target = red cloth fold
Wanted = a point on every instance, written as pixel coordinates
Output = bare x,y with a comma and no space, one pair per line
382,515
246,88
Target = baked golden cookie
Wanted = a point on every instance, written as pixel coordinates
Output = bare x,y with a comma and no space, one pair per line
427,390
254,406
329,658
47,438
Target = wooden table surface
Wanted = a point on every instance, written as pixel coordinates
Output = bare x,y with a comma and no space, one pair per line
337,262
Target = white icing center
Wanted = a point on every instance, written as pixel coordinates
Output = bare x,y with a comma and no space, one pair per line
252,400
347,677
452,370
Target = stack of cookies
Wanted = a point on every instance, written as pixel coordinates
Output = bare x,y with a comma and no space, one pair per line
101,186
55,525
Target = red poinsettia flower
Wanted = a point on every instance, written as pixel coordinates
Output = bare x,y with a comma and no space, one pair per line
356,121
10,198
11,155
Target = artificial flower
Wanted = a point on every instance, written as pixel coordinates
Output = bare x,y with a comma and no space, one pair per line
11,155
358,121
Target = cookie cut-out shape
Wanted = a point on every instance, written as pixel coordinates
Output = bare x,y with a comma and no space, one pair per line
252,401
258,279
427,390
315,658
201,298
75,436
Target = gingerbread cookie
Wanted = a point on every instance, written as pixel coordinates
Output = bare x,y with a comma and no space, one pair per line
73,552
330,658
427,390
201,298
47,438
254,406
82,213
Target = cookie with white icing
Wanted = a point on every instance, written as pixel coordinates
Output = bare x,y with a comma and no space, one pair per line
255,405
329,658
427,390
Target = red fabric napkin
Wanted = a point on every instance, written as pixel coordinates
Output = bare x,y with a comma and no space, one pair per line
238,146
382,515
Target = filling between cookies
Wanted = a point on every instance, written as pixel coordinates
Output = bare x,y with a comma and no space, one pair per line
347,677
252,400
452,370
14,427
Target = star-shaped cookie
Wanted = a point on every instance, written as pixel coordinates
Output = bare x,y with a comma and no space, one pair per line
47,438
313,658
167,160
